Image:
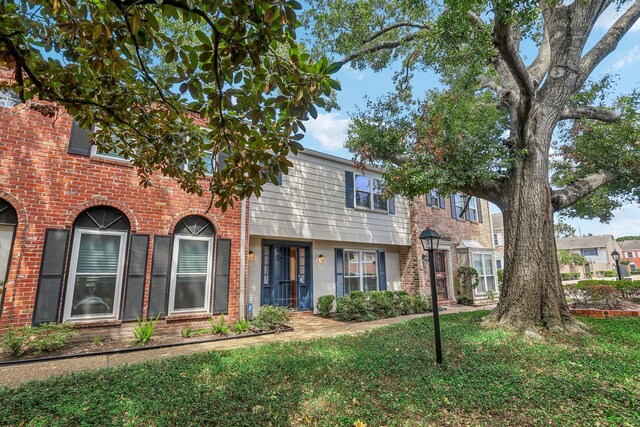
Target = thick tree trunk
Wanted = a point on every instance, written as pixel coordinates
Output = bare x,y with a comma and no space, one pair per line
532,293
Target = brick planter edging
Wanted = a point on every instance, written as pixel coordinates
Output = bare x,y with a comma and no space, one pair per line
601,314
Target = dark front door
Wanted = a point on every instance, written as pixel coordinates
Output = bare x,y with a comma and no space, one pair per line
288,282
441,274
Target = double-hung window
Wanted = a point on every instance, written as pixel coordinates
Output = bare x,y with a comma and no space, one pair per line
483,264
457,202
472,211
96,271
191,277
360,271
629,254
369,193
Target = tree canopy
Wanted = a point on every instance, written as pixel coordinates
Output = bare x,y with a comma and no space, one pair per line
467,134
163,82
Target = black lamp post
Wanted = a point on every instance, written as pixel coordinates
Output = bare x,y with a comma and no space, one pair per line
430,239
616,257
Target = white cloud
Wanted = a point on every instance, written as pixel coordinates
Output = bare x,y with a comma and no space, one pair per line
632,55
329,130
611,15
356,74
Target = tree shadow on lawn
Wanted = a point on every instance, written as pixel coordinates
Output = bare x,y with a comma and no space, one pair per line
384,377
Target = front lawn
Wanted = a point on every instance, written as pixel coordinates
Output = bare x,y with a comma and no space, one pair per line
386,377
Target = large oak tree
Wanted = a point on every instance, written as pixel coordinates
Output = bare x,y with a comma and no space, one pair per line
535,137
164,82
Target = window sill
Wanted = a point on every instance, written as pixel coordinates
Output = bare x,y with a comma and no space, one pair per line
187,316
360,209
81,324
111,161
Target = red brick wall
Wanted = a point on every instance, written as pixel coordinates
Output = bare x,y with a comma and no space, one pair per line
49,187
414,272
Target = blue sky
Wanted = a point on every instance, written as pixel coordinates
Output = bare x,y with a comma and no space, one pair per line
327,132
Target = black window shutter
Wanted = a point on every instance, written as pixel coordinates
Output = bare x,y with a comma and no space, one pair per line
479,206
382,271
221,286
348,177
52,265
339,273
392,205
442,203
79,142
136,274
159,276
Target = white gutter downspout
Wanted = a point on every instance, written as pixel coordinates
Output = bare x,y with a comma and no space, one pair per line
243,247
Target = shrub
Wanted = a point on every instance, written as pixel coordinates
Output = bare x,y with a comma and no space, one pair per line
272,317
219,327
570,276
500,276
383,303
358,306
145,329
606,273
604,292
39,339
186,332
241,326
325,305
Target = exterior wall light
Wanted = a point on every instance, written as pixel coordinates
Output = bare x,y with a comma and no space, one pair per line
252,256
320,259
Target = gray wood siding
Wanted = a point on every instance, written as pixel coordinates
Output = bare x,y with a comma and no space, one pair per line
310,204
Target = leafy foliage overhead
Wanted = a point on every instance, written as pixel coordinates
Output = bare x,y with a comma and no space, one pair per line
165,81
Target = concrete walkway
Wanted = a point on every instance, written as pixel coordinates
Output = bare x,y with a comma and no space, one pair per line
306,328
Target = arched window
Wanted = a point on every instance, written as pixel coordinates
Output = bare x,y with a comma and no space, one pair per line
96,270
191,268
8,223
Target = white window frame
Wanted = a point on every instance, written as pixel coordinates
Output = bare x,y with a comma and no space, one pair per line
371,192
71,281
482,276
361,267
629,254
632,266
174,273
114,157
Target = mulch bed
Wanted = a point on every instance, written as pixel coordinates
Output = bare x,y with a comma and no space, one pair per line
84,345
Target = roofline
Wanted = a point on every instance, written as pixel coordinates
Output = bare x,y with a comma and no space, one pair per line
336,159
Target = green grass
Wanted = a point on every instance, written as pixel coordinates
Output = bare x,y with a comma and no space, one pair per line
386,377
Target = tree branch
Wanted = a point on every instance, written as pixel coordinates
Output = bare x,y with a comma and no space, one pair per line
608,42
507,44
394,26
540,66
593,113
567,196
391,44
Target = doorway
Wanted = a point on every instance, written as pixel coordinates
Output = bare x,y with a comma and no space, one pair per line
442,275
287,276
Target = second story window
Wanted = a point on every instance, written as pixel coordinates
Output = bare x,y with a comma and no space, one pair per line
8,98
589,252
369,193
629,254
457,202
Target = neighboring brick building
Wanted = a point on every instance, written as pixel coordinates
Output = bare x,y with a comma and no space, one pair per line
465,241
631,254
498,238
111,247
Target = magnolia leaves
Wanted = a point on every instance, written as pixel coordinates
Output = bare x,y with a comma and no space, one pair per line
167,82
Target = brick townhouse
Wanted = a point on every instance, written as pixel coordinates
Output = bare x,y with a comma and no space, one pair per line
81,240
466,240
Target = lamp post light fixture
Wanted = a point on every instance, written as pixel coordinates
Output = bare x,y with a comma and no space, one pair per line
616,257
430,239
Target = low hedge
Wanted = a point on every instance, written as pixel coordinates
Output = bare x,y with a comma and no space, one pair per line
360,306
570,276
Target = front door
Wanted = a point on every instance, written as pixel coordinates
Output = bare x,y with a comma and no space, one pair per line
441,275
288,282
